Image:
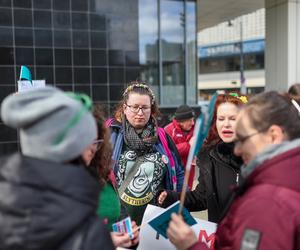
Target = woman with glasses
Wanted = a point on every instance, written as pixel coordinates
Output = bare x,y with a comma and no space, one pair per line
142,164
265,213
219,168
98,159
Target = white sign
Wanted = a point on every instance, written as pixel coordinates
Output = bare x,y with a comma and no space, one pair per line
27,85
148,237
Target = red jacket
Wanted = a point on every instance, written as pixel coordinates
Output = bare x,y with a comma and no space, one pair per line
180,138
268,213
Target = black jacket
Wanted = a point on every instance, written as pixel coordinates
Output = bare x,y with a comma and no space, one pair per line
46,205
219,171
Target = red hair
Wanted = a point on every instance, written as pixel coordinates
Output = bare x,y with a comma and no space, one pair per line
213,137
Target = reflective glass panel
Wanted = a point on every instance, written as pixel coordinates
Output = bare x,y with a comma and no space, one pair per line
172,46
148,42
191,48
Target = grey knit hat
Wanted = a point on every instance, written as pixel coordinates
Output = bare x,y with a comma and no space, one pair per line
53,126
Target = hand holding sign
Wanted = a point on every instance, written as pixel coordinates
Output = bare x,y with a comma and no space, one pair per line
125,233
180,234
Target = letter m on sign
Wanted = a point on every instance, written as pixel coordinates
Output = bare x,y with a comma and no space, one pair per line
208,240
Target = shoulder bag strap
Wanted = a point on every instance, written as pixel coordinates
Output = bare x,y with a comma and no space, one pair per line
130,175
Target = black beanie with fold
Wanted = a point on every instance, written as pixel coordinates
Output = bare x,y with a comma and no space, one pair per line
184,112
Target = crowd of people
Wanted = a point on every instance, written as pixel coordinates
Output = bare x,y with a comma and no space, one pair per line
78,172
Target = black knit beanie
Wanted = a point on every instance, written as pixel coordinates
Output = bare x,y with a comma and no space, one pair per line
184,112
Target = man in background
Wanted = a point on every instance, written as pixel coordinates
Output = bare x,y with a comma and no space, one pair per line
181,131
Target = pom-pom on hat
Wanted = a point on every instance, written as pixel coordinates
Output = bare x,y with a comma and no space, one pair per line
184,112
53,125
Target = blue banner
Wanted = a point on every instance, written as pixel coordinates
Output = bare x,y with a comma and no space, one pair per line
229,49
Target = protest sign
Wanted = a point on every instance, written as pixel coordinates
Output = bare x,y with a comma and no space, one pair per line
29,85
26,83
161,221
204,230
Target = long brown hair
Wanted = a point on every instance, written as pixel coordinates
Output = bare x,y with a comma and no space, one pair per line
213,137
139,88
102,160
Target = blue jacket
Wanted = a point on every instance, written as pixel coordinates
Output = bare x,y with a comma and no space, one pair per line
117,140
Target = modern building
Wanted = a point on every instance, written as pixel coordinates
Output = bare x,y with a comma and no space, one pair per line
223,47
97,46
282,36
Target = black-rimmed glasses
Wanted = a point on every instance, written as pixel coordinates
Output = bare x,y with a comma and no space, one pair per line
241,140
136,109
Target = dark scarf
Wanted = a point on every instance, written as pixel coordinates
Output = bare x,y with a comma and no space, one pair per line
142,142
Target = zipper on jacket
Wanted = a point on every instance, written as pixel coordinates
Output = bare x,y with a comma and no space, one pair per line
237,178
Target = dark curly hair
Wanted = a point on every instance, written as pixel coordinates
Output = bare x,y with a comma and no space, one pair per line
102,161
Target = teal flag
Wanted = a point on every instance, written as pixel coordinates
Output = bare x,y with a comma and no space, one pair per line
25,74
201,129
204,124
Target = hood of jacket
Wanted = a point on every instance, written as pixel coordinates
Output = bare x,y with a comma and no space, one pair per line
278,165
42,203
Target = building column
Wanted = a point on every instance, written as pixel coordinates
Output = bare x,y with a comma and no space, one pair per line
282,54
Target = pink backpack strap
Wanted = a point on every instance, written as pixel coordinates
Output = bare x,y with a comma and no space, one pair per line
163,139
164,142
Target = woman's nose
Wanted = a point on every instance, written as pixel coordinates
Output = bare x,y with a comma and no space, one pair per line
140,112
227,123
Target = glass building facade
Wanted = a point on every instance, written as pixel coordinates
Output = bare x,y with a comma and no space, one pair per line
97,47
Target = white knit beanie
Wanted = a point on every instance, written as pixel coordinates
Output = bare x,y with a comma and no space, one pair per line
53,126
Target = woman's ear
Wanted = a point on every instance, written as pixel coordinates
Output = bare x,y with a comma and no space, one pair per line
277,134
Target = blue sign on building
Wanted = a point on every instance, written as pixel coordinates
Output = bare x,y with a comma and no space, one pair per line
229,49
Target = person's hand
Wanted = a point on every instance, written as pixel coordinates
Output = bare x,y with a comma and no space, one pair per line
123,239
162,197
180,234
120,239
192,140
136,233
